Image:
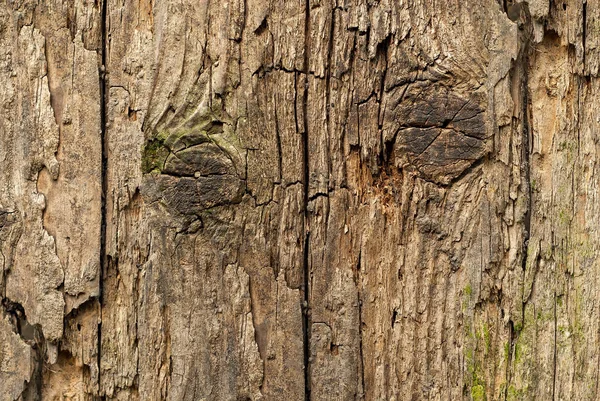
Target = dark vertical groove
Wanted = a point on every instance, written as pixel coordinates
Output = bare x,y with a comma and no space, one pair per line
526,158
511,334
306,323
555,351
526,135
526,148
360,325
305,105
104,139
521,68
524,65
385,150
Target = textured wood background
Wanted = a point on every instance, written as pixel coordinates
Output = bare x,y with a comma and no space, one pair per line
299,200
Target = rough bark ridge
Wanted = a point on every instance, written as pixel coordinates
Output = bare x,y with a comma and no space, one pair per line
299,200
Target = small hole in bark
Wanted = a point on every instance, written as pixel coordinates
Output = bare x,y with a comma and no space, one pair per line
78,327
132,114
394,317
389,150
564,6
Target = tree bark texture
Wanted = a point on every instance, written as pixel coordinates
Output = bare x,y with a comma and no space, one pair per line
299,200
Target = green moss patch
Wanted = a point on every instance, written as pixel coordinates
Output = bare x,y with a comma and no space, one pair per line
154,155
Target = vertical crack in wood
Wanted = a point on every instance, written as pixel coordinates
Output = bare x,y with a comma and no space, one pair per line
279,154
521,69
360,326
526,142
511,331
555,350
385,149
104,183
306,324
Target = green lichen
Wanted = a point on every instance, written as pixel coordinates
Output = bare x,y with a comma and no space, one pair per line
534,185
470,359
543,317
466,297
564,332
478,393
487,338
514,394
154,155
564,217
468,290
518,327
476,373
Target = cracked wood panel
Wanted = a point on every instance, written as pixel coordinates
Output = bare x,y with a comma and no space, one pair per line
303,200
50,170
275,142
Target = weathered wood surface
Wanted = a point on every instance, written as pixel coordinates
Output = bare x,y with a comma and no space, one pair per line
324,200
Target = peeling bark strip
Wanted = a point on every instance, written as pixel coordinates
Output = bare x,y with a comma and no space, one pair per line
304,199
